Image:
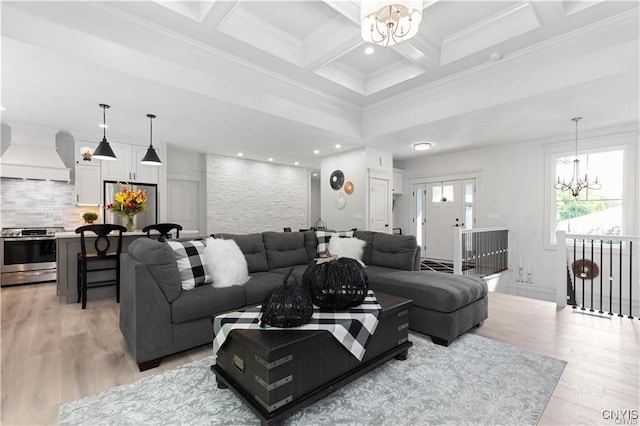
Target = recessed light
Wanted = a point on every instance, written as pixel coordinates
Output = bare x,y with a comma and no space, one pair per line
270,159
296,164
315,174
315,151
2,108
495,56
240,154
338,146
369,50
421,146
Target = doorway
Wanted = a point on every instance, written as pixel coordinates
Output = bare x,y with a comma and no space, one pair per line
438,208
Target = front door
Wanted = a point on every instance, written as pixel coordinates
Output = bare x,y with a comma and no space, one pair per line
439,208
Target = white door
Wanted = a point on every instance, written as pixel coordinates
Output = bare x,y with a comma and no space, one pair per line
379,205
444,212
184,203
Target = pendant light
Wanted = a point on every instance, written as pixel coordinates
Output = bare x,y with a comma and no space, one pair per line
577,184
151,157
104,151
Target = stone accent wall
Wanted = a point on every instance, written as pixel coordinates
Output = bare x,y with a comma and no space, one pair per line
39,203
246,196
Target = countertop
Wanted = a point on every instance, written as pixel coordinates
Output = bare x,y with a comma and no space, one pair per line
187,233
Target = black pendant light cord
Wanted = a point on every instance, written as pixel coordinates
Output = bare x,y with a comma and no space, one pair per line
151,117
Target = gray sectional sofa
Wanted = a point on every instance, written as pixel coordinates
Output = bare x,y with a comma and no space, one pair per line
158,318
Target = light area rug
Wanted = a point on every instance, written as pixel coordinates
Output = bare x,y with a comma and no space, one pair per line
473,381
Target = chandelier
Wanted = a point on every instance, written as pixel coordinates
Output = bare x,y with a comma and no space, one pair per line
577,184
388,22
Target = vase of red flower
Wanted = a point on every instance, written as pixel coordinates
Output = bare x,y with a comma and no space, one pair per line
127,203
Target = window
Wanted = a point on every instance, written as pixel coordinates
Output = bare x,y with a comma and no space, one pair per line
442,194
592,211
606,211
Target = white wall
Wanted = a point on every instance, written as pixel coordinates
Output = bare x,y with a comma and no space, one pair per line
246,196
510,193
355,165
190,168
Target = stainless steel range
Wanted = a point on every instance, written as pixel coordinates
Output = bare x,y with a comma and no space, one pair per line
28,255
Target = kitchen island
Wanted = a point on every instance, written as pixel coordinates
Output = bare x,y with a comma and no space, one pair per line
67,249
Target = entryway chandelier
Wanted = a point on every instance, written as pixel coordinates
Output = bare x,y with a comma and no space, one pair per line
389,22
577,184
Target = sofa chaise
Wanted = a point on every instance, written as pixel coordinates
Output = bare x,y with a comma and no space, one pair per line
158,318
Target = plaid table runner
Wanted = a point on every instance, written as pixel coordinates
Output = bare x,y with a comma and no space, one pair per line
353,328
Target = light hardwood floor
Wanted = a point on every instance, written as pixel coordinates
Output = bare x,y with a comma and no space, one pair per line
53,353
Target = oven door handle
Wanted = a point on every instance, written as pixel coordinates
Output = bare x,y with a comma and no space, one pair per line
28,238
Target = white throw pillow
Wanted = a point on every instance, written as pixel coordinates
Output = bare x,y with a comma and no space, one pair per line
325,236
347,247
225,263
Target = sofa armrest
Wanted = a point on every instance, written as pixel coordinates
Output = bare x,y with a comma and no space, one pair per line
145,313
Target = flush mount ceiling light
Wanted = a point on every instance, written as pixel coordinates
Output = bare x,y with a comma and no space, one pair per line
104,151
421,146
577,184
151,157
389,22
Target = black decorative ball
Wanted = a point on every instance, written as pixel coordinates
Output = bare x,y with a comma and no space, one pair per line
286,306
338,284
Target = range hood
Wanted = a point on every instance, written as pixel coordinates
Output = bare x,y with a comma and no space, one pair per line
31,154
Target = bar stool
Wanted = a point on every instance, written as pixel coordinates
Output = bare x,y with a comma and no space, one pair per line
163,230
101,256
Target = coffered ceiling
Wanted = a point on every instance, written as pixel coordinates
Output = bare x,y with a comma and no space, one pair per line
282,79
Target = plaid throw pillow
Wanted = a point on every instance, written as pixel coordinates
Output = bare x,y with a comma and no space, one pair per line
190,260
325,236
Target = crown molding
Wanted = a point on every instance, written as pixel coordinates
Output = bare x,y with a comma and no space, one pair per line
625,21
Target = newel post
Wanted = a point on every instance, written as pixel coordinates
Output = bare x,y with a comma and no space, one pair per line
561,269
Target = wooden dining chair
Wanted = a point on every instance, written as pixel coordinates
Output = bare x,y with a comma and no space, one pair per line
95,261
163,230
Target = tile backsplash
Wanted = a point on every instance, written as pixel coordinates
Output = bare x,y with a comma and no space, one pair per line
40,203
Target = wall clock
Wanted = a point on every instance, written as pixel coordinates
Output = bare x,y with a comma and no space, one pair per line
336,179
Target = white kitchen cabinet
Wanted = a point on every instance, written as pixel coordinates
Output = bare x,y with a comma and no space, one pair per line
87,185
126,167
398,182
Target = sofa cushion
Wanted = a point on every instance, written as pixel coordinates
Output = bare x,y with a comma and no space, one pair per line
368,249
325,236
298,271
394,251
206,301
161,263
252,246
436,291
285,249
259,284
190,259
311,244
225,263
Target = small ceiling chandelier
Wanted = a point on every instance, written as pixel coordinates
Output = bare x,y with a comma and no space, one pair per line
151,157
389,22
577,184
104,151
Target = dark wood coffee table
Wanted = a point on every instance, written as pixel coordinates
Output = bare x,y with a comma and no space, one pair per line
277,372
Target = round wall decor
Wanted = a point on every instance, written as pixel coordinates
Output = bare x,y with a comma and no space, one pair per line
348,187
341,200
336,179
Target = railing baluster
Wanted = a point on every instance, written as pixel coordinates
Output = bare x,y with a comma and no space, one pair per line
601,274
620,282
573,271
582,277
591,259
610,277
630,280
